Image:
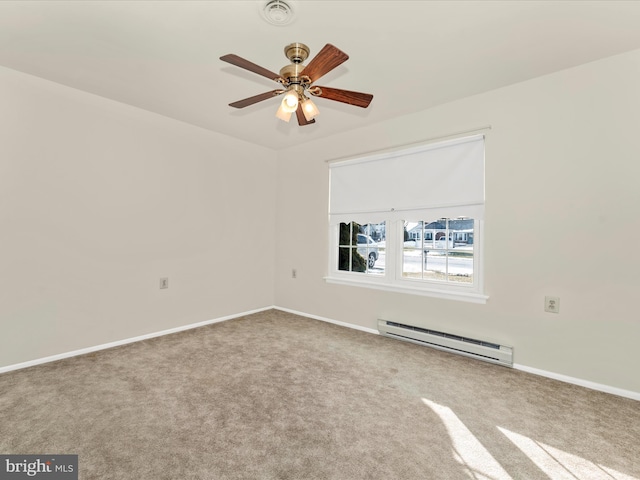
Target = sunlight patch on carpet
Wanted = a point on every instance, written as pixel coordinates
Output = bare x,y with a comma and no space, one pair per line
467,449
561,465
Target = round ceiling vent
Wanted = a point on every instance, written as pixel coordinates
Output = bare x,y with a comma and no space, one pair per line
278,12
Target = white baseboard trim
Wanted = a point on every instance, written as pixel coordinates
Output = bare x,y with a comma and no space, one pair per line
118,343
556,376
578,381
329,320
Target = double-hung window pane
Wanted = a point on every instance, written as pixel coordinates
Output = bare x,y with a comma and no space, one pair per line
361,248
439,250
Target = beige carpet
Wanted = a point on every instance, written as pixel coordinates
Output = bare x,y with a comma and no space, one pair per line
277,396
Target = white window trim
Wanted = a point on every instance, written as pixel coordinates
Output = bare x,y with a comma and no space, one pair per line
426,292
392,280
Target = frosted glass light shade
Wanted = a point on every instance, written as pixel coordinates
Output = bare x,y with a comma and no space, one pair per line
309,109
283,114
290,101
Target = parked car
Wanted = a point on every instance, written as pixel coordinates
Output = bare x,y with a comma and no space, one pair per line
368,248
442,243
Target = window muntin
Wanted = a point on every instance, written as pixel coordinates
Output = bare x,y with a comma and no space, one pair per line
439,251
358,250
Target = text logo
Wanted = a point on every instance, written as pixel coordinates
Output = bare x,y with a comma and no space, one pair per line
46,467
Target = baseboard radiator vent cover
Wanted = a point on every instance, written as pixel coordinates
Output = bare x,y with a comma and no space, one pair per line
470,347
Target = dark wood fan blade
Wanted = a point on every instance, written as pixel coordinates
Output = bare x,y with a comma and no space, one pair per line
326,60
302,121
345,96
247,65
255,99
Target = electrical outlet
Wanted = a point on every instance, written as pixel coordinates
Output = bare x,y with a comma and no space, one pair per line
552,304
164,282
294,273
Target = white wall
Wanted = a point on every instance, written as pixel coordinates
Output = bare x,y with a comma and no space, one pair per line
562,170
98,200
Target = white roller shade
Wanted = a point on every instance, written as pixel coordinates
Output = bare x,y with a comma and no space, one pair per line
446,178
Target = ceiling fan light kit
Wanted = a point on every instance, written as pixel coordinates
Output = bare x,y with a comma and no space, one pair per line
297,79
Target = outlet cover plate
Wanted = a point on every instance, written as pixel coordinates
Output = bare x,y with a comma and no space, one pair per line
552,304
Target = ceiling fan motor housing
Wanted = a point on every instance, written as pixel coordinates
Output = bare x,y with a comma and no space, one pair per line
291,73
296,52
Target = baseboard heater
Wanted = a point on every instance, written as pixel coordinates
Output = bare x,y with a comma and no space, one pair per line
470,347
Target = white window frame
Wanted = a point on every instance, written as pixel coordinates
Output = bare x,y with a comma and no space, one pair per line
392,280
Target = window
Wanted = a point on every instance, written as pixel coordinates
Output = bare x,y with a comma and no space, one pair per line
449,259
411,220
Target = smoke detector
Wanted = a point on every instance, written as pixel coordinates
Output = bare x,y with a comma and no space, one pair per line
278,12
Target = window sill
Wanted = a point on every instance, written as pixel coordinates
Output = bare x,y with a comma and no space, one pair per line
471,297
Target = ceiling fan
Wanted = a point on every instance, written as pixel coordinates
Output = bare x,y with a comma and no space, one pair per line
297,82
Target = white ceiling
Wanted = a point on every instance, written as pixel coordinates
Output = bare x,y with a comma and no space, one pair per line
163,56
